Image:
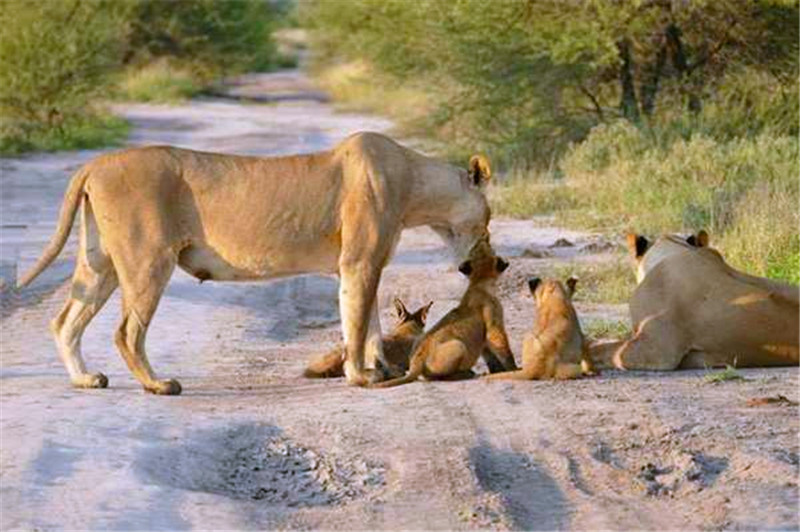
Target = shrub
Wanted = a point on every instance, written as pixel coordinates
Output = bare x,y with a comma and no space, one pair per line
160,81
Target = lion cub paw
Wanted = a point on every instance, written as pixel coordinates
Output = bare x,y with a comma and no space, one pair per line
91,380
167,387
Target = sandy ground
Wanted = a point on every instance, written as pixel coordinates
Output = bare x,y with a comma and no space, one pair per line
251,444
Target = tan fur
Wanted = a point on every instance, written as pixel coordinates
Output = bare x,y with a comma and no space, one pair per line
692,310
556,348
452,347
227,218
396,346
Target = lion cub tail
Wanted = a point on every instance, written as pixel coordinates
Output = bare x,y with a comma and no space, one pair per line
69,207
326,366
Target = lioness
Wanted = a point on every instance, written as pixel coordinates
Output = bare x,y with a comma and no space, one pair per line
228,218
556,348
453,345
396,346
691,310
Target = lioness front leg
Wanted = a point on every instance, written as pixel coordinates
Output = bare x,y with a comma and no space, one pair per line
357,289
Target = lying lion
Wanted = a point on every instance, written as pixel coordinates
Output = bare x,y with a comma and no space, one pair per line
556,348
145,211
452,347
396,346
691,310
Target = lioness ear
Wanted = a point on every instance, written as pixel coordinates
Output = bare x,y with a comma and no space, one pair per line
637,244
465,268
479,170
402,313
571,283
533,282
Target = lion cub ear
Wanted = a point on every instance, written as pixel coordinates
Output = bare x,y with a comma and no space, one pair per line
479,170
501,265
423,313
637,244
465,268
533,282
402,312
571,283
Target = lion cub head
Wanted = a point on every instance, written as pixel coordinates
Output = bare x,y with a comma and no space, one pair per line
483,263
546,292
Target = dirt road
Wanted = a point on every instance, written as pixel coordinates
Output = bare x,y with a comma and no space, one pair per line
251,444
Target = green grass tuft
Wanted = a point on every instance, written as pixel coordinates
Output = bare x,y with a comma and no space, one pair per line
727,374
75,133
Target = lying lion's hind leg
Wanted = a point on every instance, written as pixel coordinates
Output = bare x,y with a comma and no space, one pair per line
140,296
93,283
656,345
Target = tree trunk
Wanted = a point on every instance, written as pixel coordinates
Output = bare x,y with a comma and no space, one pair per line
628,104
648,90
681,65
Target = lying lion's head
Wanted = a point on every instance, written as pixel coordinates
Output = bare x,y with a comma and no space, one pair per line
647,254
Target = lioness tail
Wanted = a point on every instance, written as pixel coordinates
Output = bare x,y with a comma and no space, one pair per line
72,200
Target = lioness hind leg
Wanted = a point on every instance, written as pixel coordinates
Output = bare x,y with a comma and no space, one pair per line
93,283
141,292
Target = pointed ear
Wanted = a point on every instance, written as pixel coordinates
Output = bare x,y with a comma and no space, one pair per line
533,282
571,283
423,312
402,313
501,265
637,245
465,268
479,170
702,239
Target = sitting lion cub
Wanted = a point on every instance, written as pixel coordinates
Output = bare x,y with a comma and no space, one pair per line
452,346
396,346
556,348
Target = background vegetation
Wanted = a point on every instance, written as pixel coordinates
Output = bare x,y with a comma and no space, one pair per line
61,60
648,115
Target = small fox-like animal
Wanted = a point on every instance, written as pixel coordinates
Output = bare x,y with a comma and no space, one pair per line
556,348
474,327
396,346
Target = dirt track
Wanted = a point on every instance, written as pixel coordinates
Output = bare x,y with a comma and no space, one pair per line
250,444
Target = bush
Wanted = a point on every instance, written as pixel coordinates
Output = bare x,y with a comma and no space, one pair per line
160,82
55,58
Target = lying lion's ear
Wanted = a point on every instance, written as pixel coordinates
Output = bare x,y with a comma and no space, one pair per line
637,244
465,268
533,282
479,170
402,312
702,239
571,283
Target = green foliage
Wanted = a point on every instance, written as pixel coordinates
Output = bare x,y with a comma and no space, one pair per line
609,281
727,374
604,328
213,36
76,133
159,81
55,57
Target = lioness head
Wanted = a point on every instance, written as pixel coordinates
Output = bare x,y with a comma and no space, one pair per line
647,254
467,212
544,291
483,263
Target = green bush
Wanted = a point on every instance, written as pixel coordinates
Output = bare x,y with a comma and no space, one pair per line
55,59
159,81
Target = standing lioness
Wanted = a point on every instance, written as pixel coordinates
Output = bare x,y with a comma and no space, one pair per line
228,218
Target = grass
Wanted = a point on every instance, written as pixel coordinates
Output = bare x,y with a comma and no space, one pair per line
158,82
604,328
525,198
727,374
610,281
84,132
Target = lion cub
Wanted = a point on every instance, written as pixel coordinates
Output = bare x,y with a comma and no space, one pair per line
556,348
452,346
396,346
